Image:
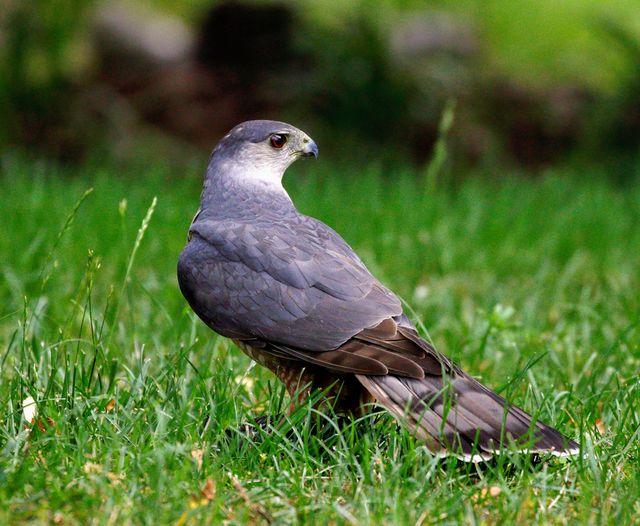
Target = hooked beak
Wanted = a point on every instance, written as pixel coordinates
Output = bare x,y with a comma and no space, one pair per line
310,149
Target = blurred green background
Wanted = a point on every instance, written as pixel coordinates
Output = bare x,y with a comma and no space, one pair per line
535,83
481,157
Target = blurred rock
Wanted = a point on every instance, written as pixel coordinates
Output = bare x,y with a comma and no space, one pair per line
195,84
423,34
439,53
129,35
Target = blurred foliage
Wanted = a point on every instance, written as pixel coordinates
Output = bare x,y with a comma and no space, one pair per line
40,55
537,45
539,41
613,129
543,42
352,75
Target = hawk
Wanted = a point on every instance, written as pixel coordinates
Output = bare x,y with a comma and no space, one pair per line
296,298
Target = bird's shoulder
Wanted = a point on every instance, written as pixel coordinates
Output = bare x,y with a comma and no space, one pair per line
295,284
300,252
295,237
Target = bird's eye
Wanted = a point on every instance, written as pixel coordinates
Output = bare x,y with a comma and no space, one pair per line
278,140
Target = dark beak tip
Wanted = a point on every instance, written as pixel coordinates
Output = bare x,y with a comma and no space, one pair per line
310,150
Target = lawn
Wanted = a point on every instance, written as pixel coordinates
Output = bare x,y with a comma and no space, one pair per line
533,285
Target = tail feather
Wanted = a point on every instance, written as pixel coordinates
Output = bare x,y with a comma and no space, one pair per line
394,395
463,416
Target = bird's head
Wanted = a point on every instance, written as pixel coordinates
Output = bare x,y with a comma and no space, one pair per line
260,151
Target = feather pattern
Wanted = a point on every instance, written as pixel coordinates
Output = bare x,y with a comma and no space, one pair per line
295,296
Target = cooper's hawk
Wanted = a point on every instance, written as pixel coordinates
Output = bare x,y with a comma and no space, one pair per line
297,299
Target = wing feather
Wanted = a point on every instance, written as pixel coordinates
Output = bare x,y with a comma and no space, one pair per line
296,284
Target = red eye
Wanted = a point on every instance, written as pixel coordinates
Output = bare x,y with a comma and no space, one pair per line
278,140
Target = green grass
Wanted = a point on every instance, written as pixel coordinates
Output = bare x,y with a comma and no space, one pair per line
533,285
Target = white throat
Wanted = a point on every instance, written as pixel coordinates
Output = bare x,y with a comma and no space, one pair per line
262,177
